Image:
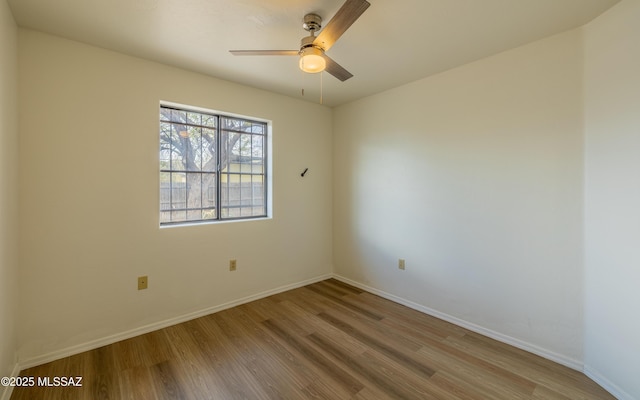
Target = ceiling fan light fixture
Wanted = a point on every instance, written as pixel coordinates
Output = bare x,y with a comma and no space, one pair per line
311,60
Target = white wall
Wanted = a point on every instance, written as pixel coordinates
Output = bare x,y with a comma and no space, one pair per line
612,190
8,190
474,176
89,198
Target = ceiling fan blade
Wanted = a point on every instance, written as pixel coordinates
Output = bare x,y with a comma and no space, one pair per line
350,11
264,52
336,69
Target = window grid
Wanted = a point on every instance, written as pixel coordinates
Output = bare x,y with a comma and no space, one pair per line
231,184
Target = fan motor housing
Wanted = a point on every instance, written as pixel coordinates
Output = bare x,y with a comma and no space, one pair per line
312,22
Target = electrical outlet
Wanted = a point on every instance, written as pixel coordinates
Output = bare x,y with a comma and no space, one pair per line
401,263
143,282
232,265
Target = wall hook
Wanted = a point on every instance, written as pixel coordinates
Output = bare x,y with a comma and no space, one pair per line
304,172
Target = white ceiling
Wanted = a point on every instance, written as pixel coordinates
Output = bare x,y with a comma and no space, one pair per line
394,42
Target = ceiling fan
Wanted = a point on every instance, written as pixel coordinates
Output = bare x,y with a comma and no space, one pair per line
312,48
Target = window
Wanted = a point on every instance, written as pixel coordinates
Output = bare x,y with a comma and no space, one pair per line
212,167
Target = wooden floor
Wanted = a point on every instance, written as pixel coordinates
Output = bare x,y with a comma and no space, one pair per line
323,341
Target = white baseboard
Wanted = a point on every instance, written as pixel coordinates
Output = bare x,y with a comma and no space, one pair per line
550,355
607,384
94,344
6,393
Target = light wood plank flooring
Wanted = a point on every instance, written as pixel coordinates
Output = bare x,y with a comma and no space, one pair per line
323,341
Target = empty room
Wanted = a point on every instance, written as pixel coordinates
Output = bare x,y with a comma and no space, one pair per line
211,199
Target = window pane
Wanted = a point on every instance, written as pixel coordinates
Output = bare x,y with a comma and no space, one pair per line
194,159
257,146
178,116
194,215
165,145
208,120
245,147
245,195
230,123
178,191
256,196
165,191
179,216
230,142
165,114
245,166
257,128
165,216
194,190
177,149
208,150
230,196
208,214
188,146
209,190
194,118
